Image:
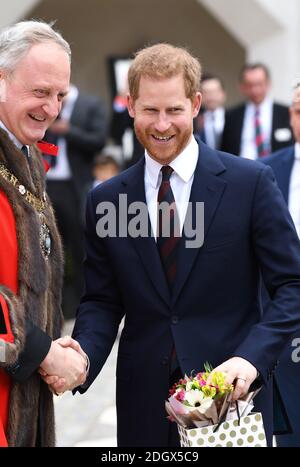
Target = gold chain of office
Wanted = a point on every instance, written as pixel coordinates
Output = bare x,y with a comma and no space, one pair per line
37,203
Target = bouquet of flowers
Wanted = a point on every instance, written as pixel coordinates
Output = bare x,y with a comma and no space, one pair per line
206,416
199,400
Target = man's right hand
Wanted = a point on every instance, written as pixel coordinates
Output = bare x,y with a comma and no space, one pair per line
63,366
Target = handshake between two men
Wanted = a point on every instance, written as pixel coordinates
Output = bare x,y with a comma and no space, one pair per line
65,366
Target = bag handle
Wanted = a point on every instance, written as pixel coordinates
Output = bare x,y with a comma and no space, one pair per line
223,418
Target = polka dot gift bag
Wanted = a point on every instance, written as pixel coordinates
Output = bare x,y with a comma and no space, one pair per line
206,417
245,432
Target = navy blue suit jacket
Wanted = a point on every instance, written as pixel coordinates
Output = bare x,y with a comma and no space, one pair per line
282,163
288,372
234,120
214,312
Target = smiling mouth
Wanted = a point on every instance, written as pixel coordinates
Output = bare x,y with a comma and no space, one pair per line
162,139
37,118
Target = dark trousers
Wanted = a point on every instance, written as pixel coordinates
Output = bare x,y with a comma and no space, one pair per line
173,439
288,441
68,214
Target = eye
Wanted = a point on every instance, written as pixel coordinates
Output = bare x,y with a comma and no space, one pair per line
175,110
40,92
61,96
150,110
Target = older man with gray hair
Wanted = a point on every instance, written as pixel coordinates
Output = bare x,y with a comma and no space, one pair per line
34,78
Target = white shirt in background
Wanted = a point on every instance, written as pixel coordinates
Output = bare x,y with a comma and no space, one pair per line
62,169
248,144
213,126
294,190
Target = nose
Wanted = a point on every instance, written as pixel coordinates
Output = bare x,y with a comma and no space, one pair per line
162,123
52,107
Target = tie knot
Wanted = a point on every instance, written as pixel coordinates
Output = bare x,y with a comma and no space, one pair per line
24,150
166,171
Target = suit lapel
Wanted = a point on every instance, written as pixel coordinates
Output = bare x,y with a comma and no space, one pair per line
146,246
77,117
238,128
275,125
208,189
283,173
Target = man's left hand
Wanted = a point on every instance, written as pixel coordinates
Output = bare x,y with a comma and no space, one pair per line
240,373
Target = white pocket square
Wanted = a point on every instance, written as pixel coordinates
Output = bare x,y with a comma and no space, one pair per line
282,134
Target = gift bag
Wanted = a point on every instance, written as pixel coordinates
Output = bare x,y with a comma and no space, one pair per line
243,432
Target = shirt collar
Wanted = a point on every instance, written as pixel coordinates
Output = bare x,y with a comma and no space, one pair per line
297,151
12,137
69,102
179,165
267,102
219,111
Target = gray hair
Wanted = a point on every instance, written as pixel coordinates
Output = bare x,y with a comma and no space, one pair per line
296,94
16,40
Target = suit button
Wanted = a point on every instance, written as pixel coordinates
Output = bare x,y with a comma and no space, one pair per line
13,368
165,361
175,319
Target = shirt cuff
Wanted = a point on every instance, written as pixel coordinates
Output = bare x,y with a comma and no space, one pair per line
37,346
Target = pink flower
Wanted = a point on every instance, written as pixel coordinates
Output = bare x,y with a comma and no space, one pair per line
180,395
202,381
173,390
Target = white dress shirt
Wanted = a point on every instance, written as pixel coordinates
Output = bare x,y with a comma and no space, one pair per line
181,182
294,190
62,169
248,144
213,126
13,138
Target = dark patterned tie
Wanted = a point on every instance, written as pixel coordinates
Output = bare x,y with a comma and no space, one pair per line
168,234
261,145
24,150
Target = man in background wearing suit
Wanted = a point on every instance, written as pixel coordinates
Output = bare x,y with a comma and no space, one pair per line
80,132
209,124
185,301
259,126
286,167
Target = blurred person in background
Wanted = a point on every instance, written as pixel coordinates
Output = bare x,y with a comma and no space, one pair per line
122,131
258,126
79,132
104,168
210,122
286,167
